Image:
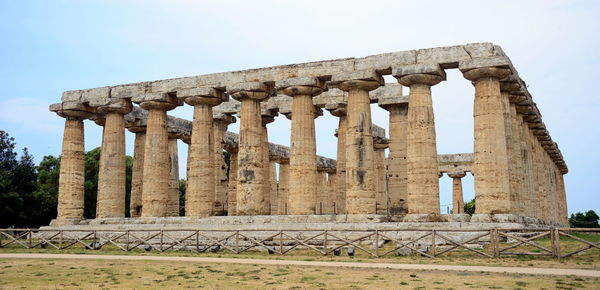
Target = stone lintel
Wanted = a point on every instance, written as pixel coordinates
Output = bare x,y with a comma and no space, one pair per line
157,97
123,106
72,109
130,90
248,87
382,63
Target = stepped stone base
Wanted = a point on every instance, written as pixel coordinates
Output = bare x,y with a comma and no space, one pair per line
307,222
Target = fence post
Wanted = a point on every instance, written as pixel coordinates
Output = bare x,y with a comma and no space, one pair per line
29,236
495,239
433,247
127,242
555,237
377,243
281,242
325,244
237,241
60,242
161,240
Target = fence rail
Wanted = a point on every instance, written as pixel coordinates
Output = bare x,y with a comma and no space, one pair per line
491,243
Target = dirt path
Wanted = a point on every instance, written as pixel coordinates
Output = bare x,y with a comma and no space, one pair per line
511,270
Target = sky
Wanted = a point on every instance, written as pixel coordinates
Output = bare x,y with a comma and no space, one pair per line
48,47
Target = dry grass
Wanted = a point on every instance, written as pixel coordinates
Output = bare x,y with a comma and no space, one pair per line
101,274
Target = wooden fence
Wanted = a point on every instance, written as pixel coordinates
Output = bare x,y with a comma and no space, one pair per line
491,243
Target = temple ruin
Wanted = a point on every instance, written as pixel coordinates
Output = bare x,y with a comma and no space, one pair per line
518,169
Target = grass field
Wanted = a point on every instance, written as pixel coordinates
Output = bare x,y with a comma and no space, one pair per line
101,274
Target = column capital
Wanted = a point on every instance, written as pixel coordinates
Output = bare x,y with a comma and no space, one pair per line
202,96
316,110
380,144
224,118
357,80
136,129
120,106
72,110
338,110
158,105
486,72
302,86
187,139
457,174
249,90
426,74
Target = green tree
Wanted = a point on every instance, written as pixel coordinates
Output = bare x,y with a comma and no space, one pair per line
17,183
46,194
470,207
584,220
92,163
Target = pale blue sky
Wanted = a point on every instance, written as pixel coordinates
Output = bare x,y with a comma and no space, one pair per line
48,47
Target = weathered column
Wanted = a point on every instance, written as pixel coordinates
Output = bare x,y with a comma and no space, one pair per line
173,199
321,192
284,177
303,152
527,164
340,196
421,157
187,139
251,166
156,172
232,183
200,194
137,181
360,193
220,123
492,184
111,174
266,157
331,192
396,171
273,196
71,181
380,179
458,202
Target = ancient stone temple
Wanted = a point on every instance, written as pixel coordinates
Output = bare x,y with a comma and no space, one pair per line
518,169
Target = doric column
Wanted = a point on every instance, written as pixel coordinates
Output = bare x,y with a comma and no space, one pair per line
331,192
360,190
380,177
321,192
251,166
71,181
200,194
340,198
303,152
273,196
284,177
220,124
232,183
458,202
111,174
266,157
137,181
173,202
156,172
187,139
490,161
396,171
421,157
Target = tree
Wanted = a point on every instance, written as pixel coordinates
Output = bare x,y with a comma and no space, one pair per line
46,194
17,184
182,189
470,207
587,220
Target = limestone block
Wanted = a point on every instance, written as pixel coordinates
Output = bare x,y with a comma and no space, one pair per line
129,90
72,96
447,57
97,96
496,61
383,62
